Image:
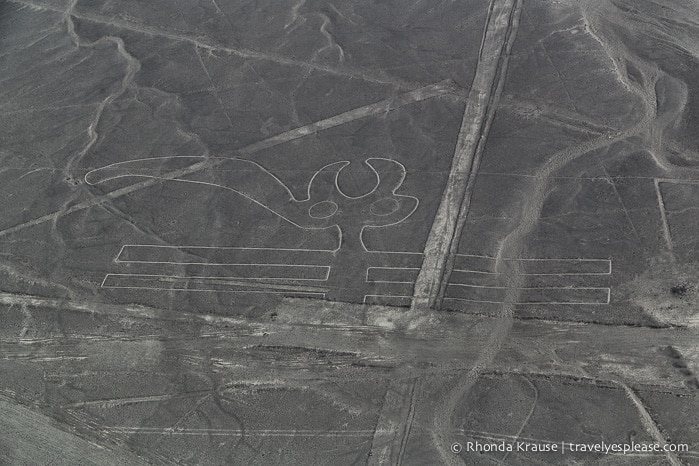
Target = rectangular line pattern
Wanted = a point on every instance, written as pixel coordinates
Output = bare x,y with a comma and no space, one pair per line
243,272
473,279
391,286
548,281
484,264
221,255
199,284
391,274
551,295
530,280
398,260
223,269
271,272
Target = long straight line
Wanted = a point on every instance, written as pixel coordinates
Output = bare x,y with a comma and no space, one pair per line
417,95
480,109
650,424
502,36
394,423
663,219
237,432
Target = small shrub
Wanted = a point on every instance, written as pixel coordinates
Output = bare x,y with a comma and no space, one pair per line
679,290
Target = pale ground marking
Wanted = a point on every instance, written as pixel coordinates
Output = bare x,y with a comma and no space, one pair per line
663,219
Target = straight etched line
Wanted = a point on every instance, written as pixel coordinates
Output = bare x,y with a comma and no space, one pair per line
390,281
231,277
225,248
518,303
480,108
572,264
663,218
386,296
427,92
650,424
203,290
368,279
250,266
113,402
238,432
223,281
677,181
396,252
414,392
534,274
545,259
392,268
571,288
242,264
394,423
444,237
232,256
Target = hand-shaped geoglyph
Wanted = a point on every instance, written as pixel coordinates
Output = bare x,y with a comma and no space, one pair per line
325,205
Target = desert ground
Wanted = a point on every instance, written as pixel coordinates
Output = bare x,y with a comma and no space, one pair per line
323,233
